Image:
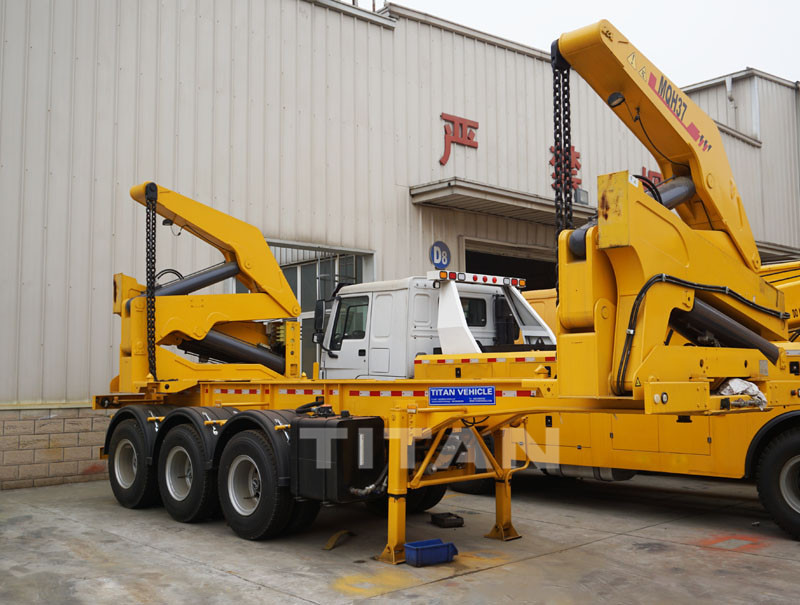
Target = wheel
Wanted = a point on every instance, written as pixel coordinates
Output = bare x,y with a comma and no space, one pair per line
187,489
253,504
433,496
303,515
132,480
778,480
415,499
478,487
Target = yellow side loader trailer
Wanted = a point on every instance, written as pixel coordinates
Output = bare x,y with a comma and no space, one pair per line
671,350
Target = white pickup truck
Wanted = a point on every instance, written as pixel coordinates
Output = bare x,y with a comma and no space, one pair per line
375,330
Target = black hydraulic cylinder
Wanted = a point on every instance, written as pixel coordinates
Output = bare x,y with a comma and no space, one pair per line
676,191
577,239
673,193
704,319
232,350
201,279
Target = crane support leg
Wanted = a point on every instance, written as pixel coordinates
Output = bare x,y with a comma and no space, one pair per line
503,529
394,552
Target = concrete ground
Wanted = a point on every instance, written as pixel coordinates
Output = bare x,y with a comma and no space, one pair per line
652,539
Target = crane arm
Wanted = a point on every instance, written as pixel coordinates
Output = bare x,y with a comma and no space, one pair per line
238,242
680,136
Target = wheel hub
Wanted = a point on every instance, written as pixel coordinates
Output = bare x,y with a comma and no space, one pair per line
178,473
126,463
244,485
789,483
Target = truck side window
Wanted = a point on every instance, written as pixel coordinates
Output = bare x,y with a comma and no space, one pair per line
351,321
474,311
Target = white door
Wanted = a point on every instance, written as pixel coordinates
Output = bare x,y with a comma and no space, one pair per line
348,339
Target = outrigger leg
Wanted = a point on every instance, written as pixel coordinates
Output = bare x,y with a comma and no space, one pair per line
394,552
503,529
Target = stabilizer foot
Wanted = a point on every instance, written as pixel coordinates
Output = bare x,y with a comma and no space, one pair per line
503,532
395,556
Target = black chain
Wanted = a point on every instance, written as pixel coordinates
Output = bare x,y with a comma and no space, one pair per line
151,196
562,146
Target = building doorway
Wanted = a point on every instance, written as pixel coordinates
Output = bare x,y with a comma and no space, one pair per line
540,274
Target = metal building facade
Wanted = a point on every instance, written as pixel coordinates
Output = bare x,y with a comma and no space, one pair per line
314,121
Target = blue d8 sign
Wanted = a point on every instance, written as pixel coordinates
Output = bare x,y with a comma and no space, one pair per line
440,255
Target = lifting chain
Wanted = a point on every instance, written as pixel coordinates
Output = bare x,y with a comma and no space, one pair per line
562,147
151,196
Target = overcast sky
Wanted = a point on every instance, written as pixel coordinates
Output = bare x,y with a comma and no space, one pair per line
688,41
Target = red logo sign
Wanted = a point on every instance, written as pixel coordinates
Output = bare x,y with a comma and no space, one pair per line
574,166
652,175
460,131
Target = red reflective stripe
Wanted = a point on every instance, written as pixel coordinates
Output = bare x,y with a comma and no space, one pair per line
491,359
441,360
519,359
523,393
397,393
417,361
549,358
465,360
374,393
353,393
419,393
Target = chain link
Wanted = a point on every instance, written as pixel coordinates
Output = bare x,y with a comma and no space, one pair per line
151,196
562,150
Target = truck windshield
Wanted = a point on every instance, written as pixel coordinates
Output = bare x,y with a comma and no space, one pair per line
351,321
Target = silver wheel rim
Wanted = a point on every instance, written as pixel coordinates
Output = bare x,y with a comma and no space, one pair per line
126,463
789,483
244,485
178,473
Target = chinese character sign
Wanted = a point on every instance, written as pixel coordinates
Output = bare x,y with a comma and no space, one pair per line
654,176
460,131
574,166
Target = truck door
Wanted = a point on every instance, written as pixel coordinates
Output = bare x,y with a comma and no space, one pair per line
348,339
388,327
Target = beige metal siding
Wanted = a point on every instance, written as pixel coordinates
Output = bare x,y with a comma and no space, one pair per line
745,162
299,117
779,162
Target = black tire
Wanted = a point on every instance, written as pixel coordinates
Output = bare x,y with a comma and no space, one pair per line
778,480
477,487
433,496
188,490
414,502
132,480
303,515
257,508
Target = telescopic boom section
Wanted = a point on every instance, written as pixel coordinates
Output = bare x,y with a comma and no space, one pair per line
238,242
682,138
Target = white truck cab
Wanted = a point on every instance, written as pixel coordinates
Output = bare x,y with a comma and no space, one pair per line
375,330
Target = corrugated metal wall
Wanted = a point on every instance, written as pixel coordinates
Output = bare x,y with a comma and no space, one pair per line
768,175
295,116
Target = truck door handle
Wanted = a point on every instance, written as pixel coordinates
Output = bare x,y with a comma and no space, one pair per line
362,352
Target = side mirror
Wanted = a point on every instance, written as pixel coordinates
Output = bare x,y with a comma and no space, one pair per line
319,316
317,337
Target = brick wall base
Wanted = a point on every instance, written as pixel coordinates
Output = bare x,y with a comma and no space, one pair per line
49,446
